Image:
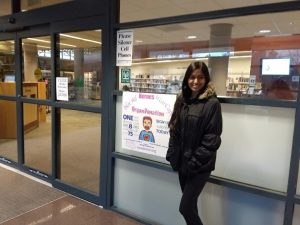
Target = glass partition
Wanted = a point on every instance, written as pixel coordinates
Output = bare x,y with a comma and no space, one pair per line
150,185
296,218
298,183
8,130
253,56
252,136
81,64
131,10
247,144
80,149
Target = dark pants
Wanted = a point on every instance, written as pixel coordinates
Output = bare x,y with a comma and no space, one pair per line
191,188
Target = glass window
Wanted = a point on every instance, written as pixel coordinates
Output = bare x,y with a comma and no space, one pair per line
298,184
245,147
34,4
5,7
37,67
296,218
37,137
80,149
8,130
132,10
7,68
250,56
81,63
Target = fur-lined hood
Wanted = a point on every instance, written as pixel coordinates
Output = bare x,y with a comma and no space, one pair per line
209,91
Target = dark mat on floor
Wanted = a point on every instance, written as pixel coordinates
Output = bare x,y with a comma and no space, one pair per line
20,194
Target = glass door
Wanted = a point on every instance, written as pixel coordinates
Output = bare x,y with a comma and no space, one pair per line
51,81
80,74
8,116
34,96
77,110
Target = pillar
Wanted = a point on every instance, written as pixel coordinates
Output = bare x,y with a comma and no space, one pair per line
220,37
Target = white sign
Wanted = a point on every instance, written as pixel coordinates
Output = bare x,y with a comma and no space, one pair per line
62,89
252,81
124,47
145,118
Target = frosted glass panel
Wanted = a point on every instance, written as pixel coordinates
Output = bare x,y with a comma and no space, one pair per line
118,143
256,145
298,184
296,219
154,195
255,140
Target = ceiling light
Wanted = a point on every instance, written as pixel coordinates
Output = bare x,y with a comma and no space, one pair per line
138,41
42,46
264,31
78,38
44,41
191,37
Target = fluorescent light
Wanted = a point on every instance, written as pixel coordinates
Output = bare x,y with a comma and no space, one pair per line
139,41
41,46
191,37
44,41
264,31
78,38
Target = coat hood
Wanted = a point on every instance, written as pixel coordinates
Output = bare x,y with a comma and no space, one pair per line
209,91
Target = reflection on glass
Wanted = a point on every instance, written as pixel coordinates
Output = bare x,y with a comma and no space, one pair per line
29,4
7,68
37,67
131,10
5,7
80,149
81,63
37,137
249,63
8,130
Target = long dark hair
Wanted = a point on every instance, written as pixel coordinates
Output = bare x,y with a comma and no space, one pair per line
186,92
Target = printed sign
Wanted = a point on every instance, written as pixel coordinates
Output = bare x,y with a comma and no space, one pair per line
124,47
252,81
62,88
145,118
125,75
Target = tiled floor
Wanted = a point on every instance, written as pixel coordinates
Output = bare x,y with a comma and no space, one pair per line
24,201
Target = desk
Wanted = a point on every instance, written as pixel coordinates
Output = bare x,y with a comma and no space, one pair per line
31,112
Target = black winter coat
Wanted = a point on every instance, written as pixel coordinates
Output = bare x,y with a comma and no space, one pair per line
192,147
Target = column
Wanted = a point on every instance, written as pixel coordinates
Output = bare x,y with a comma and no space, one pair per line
220,40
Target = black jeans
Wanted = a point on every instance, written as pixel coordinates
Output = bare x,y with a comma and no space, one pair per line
191,187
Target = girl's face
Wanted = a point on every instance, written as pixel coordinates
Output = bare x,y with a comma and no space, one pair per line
196,82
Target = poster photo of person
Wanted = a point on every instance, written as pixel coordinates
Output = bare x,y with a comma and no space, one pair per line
146,134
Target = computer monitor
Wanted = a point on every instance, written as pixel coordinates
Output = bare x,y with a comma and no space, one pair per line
275,66
9,78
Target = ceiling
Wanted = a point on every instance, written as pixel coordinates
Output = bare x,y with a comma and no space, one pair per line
279,24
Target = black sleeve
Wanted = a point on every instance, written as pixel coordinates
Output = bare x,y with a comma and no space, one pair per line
173,153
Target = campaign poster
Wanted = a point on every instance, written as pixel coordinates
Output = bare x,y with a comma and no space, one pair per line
145,118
